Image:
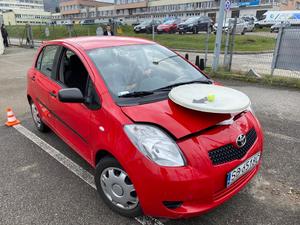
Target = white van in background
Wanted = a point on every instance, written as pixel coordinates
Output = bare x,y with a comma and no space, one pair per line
273,17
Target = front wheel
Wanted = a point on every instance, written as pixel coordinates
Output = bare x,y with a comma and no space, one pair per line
40,125
116,189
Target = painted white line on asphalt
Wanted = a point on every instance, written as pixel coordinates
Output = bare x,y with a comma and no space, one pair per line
73,167
283,137
76,169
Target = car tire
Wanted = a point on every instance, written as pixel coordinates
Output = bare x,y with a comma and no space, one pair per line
40,125
110,167
243,32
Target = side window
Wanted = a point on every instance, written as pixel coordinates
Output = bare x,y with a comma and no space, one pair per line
47,62
72,72
39,61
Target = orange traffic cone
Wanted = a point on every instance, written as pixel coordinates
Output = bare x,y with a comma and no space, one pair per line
11,119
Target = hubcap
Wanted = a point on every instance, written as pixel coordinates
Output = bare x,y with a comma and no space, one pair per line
118,188
35,115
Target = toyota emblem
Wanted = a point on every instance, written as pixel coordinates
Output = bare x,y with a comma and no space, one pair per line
241,140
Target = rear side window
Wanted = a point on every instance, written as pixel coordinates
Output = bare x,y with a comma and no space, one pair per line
46,59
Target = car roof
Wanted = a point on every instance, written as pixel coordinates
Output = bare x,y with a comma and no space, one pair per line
93,42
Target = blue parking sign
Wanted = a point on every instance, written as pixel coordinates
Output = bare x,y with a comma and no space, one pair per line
227,5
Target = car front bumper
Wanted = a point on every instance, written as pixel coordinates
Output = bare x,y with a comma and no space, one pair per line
185,29
199,186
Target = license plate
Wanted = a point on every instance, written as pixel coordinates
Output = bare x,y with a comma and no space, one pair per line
242,169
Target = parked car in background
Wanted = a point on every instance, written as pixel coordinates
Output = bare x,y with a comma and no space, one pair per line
146,26
241,26
250,22
249,18
64,22
195,24
169,26
275,28
270,18
136,23
87,22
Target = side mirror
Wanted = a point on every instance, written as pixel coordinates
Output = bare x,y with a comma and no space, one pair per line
70,95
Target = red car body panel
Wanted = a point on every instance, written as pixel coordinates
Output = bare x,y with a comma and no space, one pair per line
167,27
177,120
200,185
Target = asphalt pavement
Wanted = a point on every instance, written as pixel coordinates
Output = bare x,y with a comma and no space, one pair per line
37,189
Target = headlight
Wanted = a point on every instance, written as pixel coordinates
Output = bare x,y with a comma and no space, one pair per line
155,145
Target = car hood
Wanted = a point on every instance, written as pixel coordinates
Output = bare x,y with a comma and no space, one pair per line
224,24
186,24
162,26
139,26
179,121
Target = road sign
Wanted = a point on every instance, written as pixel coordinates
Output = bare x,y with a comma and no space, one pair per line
227,5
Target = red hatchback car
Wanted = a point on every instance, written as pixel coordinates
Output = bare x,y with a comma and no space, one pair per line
169,26
107,97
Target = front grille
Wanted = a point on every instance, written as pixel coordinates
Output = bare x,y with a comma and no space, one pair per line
228,153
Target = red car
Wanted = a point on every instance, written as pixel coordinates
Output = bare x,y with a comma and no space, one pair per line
107,97
169,26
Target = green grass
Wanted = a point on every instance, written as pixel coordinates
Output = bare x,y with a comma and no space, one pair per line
278,81
243,43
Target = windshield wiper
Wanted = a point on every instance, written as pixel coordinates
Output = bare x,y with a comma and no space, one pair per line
159,61
183,83
135,94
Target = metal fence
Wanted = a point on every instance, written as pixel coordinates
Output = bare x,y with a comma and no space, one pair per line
261,52
270,54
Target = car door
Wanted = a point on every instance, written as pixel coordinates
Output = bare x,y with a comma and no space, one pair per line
42,79
202,24
73,119
239,26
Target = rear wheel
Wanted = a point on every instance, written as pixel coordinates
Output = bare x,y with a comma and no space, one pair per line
116,189
40,125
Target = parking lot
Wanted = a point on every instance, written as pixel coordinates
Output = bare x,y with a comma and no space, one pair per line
42,186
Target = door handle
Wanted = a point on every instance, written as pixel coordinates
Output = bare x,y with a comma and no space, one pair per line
52,93
33,78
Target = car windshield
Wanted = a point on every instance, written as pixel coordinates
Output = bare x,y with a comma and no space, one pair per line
169,22
145,23
141,68
192,19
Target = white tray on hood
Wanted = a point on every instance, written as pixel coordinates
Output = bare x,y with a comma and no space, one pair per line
194,96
